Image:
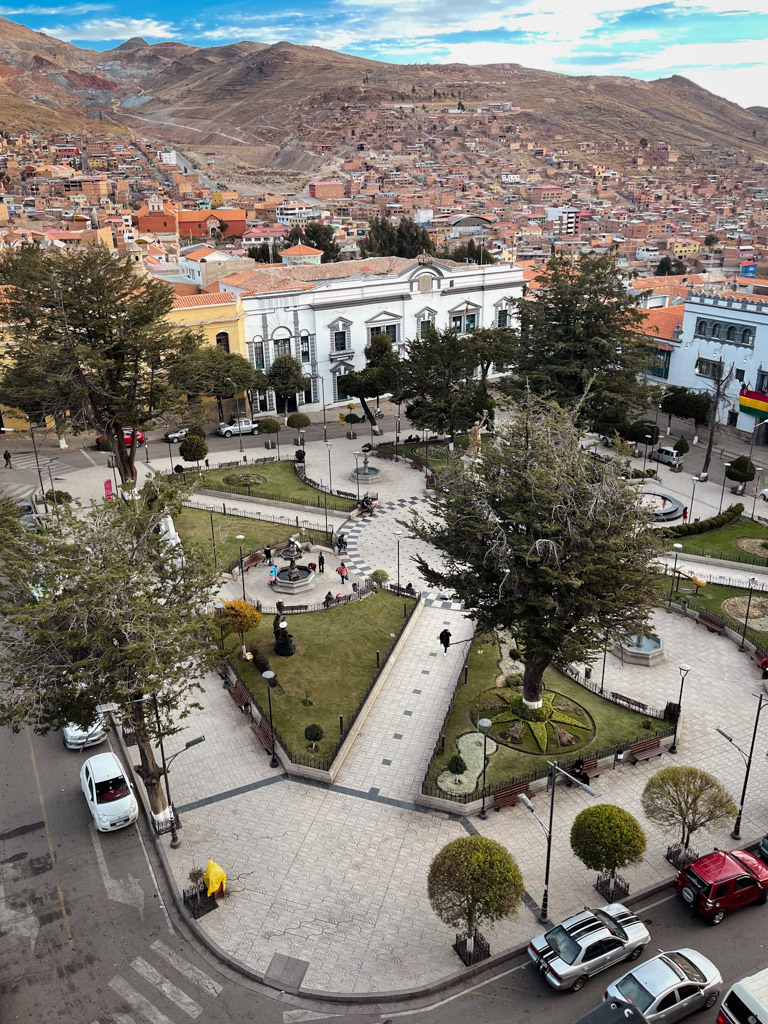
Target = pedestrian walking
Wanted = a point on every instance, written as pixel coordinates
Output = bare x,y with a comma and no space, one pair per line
273,576
7,457
341,544
685,514
321,562
268,554
343,572
445,640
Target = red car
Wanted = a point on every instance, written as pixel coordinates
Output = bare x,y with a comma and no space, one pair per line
723,881
127,438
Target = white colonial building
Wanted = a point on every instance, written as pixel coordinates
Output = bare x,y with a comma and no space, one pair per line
325,315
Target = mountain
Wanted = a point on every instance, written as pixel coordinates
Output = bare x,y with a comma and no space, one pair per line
276,98
760,111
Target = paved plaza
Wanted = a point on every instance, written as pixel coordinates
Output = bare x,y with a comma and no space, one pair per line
335,876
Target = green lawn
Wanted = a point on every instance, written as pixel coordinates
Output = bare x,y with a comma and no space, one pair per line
711,598
280,481
613,724
195,525
721,543
334,664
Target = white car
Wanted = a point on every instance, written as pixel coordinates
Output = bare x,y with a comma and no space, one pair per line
764,494
241,426
108,793
175,436
76,737
670,986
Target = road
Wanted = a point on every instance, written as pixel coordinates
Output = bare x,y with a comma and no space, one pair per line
85,934
87,930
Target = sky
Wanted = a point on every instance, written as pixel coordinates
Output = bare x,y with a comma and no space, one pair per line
721,45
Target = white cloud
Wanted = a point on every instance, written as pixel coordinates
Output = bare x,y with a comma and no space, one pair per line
7,12
104,29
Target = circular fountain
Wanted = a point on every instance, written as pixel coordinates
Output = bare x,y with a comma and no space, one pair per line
366,475
663,507
293,578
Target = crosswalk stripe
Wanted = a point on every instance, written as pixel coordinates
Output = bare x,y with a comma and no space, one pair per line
169,990
137,1001
192,973
122,1018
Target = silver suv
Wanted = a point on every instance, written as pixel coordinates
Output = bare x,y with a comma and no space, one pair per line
586,944
241,426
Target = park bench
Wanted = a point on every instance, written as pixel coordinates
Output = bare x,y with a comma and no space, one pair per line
637,704
507,796
713,624
590,767
645,749
261,731
238,693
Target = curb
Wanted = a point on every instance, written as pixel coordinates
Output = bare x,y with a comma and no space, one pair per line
412,998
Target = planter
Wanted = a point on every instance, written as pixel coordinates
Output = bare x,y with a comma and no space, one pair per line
480,949
198,902
351,435
680,856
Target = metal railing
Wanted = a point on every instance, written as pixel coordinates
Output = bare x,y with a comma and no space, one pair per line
304,525
615,698
742,559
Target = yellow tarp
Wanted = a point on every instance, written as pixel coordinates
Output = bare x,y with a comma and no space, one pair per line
214,877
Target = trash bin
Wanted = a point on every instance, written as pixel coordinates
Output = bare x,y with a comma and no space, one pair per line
684,605
355,587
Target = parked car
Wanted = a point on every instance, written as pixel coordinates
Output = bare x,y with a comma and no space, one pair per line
721,882
241,426
26,507
762,848
127,438
764,494
613,1011
76,737
586,944
175,436
670,986
669,456
108,793
609,442
746,1001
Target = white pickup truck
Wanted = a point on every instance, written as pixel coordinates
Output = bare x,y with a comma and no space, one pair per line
242,426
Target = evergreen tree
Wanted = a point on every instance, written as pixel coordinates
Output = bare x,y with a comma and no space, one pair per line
437,380
577,340
96,610
91,345
540,540
669,266
318,236
408,239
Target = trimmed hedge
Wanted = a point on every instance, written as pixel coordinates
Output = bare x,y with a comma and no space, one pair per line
705,525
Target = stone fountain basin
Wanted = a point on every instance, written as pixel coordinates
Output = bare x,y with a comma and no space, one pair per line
306,580
646,650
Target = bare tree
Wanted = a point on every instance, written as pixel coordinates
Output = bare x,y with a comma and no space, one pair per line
686,798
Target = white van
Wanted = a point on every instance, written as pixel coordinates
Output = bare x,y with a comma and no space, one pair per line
746,1002
669,456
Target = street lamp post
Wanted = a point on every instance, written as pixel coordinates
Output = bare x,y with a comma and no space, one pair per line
268,676
213,539
752,585
237,401
757,488
240,538
755,429
602,677
678,548
398,535
301,440
762,702
684,670
319,377
219,606
37,463
554,769
175,841
357,473
645,457
726,466
329,445
694,480
484,724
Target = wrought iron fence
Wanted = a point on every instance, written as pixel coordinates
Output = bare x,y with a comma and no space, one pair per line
481,949
612,888
744,559
681,856
293,521
611,695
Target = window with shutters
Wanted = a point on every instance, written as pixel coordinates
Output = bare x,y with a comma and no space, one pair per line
222,340
282,347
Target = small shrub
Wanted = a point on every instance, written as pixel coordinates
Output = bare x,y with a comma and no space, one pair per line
58,497
351,417
299,455
741,470
646,723
260,661
457,765
681,446
196,430
269,426
379,576
193,448
520,708
298,421
178,469
313,734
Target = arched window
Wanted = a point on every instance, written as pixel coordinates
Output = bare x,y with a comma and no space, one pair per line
256,353
222,340
306,354
701,327
715,330
730,334
747,336
281,341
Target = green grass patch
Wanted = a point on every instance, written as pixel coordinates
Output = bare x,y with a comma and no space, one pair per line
194,525
613,724
721,543
276,480
710,598
334,663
